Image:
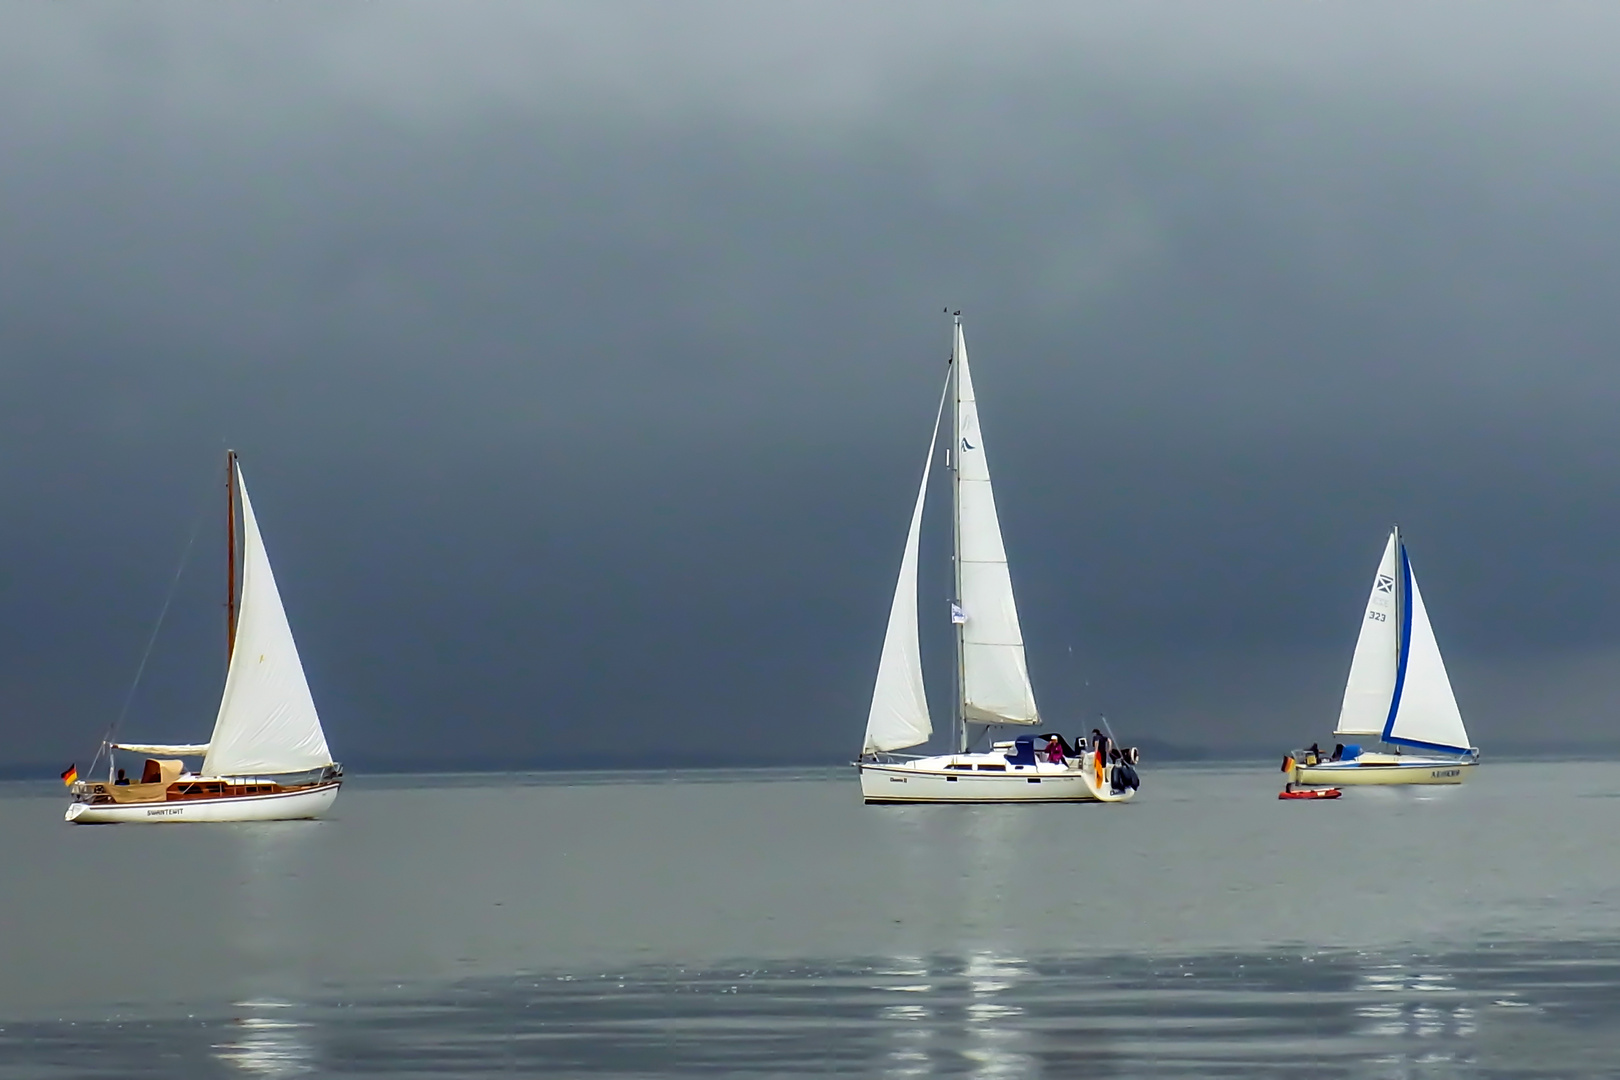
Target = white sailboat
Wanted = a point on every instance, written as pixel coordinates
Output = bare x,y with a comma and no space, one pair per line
992,680
267,759
1398,693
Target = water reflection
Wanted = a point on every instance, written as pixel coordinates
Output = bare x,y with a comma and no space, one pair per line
274,899
1533,1010
267,1036
909,1023
997,1041
269,1041
1417,1013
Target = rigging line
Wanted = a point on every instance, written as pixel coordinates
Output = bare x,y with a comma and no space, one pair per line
1108,729
185,557
1100,714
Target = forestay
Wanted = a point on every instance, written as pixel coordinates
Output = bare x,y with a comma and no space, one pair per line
267,721
1371,686
899,714
995,678
1424,713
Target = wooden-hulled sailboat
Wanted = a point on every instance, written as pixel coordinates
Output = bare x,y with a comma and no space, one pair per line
1398,693
992,681
267,759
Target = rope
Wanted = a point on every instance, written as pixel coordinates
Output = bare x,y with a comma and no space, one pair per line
151,641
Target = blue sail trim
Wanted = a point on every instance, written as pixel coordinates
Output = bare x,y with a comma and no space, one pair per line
1405,570
1441,747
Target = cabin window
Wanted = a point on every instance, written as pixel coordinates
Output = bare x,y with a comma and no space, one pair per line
1034,779
992,768
954,765
950,779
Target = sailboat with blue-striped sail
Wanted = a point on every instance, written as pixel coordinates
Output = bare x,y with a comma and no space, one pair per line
1398,694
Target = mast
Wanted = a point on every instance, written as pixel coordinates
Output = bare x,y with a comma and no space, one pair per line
1400,606
230,554
956,529
1400,590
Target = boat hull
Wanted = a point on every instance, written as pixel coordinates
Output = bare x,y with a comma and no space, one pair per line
303,803
930,780
1383,773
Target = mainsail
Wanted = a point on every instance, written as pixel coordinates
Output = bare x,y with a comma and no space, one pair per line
995,680
1424,711
1371,686
899,714
267,721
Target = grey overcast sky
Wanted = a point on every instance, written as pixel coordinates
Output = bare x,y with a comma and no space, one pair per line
581,358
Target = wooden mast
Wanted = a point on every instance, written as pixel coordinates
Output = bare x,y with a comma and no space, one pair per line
230,554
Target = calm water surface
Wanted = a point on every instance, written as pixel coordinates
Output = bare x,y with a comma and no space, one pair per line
766,923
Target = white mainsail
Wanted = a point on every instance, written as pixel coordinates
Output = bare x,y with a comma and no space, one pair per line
1425,712
995,679
267,721
1371,686
899,714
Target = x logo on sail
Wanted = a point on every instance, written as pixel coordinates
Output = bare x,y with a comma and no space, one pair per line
1385,583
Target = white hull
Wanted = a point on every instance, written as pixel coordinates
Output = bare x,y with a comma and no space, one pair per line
933,780
1379,769
282,806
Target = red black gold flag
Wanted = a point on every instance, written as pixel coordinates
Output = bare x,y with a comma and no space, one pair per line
70,775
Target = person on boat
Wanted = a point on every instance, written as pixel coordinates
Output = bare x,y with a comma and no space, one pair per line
1054,751
1313,754
122,781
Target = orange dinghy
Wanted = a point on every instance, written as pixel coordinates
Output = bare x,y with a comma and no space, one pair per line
1314,793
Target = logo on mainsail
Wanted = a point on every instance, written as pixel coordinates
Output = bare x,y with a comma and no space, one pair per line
957,615
1385,583
967,445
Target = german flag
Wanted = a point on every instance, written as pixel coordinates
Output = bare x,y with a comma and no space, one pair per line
1288,763
70,775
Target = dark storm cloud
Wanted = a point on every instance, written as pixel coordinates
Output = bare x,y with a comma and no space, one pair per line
581,357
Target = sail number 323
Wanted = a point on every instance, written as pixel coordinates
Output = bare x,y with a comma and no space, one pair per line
1376,616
